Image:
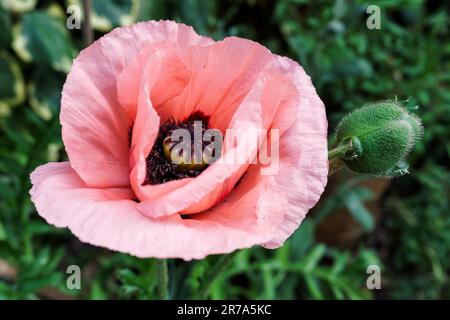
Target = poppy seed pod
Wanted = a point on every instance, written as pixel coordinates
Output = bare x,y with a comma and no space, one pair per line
385,133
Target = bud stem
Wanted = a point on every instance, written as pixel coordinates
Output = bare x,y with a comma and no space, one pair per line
162,289
335,156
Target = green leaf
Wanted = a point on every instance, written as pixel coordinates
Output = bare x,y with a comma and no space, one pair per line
340,262
139,283
198,14
152,10
18,6
43,39
314,287
313,258
35,284
302,239
2,232
197,275
109,14
45,92
128,277
97,292
5,26
268,283
359,212
12,89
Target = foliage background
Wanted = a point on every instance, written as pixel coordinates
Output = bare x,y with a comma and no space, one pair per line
403,224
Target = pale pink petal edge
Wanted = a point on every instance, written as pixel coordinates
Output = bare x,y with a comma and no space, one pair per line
304,166
107,218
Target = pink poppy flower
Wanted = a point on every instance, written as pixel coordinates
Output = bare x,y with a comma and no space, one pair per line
134,81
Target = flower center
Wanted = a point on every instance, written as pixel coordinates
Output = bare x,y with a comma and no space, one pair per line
182,149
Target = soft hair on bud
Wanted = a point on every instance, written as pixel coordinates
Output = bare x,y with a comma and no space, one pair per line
386,132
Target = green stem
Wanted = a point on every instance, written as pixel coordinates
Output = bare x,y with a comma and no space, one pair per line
335,156
162,289
88,33
217,269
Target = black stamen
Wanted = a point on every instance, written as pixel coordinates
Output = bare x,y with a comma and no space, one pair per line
159,168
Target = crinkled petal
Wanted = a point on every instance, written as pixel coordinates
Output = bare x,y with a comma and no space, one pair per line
218,179
303,153
157,66
279,197
256,92
108,218
222,76
95,127
241,85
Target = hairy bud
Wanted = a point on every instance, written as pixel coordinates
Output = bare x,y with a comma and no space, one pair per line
383,133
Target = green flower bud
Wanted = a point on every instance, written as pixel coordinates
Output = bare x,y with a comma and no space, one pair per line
380,136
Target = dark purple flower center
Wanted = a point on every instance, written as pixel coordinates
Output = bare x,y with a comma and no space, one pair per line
161,166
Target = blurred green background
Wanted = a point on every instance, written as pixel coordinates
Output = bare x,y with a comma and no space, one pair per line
403,225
